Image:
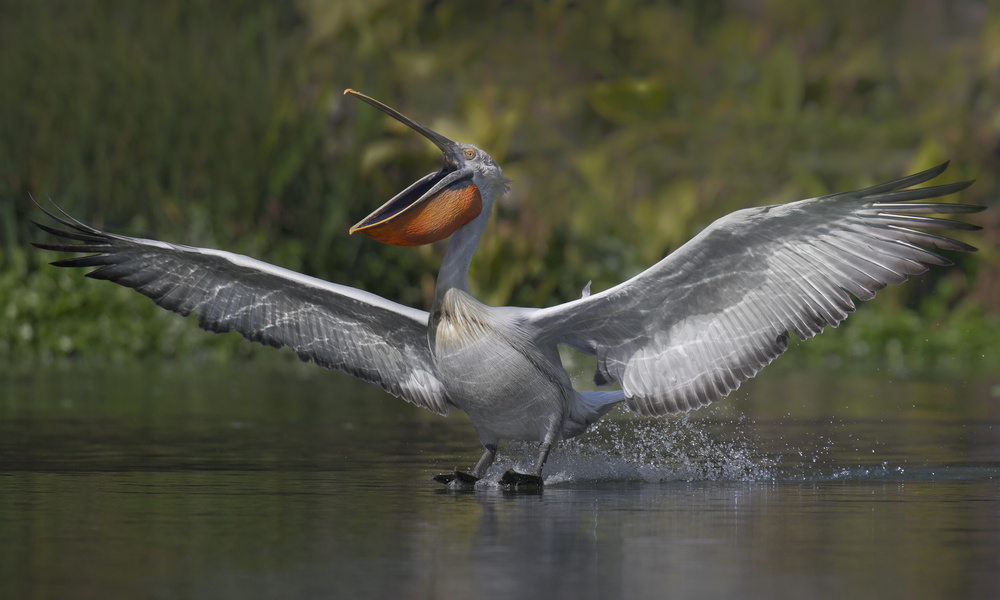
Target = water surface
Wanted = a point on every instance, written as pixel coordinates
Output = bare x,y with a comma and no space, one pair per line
291,482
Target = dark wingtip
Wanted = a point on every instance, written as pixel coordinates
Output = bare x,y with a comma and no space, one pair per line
922,176
927,174
961,185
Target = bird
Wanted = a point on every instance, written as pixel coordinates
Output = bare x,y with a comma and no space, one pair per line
680,335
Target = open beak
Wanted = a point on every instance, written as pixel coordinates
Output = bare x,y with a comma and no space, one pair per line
434,206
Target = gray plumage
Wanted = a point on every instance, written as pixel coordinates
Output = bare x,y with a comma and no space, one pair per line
336,326
709,316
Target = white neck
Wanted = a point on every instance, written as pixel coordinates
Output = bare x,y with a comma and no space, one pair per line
454,273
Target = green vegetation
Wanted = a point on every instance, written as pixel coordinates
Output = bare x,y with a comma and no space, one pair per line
626,126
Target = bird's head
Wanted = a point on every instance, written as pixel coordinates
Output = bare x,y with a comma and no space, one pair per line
436,205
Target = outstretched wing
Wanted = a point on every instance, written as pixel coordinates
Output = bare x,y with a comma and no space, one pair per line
335,326
692,328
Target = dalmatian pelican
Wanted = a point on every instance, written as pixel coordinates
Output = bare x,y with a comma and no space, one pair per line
680,335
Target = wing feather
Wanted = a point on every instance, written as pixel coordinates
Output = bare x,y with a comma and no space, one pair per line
335,326
709,316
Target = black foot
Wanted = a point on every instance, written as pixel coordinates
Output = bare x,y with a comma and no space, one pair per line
521,480
456,479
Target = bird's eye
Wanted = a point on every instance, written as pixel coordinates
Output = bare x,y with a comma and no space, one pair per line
470,153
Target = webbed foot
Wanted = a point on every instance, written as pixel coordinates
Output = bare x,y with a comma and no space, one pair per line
456,479
521,481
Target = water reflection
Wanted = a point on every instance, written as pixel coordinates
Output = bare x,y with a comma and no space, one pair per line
298,483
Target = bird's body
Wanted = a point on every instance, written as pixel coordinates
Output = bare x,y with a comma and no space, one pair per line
519,395
682,334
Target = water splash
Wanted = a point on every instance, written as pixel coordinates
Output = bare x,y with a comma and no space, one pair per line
632,448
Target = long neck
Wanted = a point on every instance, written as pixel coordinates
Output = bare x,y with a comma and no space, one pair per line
454,272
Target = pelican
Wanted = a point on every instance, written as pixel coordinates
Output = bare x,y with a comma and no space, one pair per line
682,334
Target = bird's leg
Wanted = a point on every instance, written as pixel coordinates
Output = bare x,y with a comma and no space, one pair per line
489,454
514,479
459,479
543,454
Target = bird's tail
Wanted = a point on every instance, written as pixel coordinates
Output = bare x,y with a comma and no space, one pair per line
588,408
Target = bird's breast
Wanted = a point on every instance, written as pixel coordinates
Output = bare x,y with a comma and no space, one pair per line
460,323
479,350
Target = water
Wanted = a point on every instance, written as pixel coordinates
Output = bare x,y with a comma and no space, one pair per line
290,482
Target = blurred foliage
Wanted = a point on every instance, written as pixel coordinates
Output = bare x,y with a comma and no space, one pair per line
627,126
